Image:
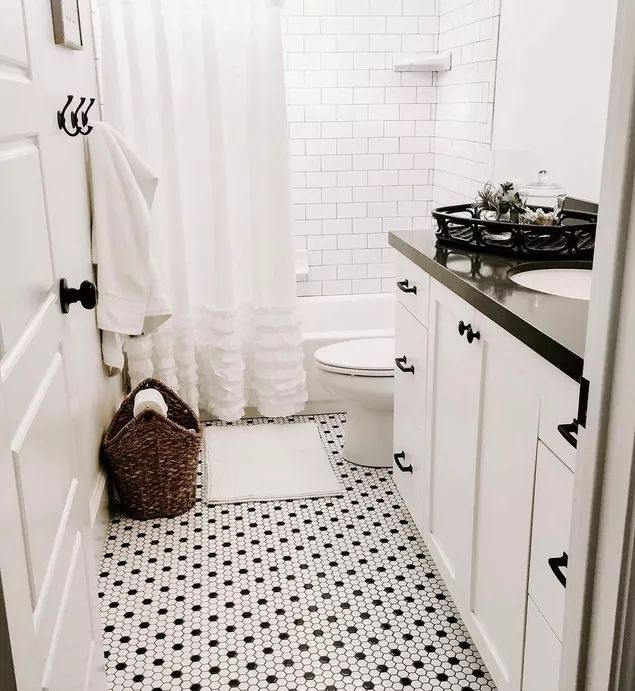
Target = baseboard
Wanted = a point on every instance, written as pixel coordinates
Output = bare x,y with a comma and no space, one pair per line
311,408
316,407
97,497
99,513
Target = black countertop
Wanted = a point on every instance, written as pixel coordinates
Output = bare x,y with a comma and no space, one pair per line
552,326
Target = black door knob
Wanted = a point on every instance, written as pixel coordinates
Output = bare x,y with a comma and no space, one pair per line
86,295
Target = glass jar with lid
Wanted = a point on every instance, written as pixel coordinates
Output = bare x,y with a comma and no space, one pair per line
543,193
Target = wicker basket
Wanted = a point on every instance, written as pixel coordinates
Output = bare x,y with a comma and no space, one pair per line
152,459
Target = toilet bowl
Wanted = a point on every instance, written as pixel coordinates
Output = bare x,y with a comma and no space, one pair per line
361,373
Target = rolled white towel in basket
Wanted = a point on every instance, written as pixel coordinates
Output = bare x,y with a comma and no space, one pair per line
150,399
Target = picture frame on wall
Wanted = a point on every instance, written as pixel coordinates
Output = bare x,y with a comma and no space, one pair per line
67,25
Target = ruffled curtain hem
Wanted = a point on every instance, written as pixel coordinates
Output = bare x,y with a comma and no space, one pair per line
224,360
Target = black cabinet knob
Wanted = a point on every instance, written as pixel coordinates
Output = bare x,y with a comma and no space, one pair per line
473,335
86,295
405,287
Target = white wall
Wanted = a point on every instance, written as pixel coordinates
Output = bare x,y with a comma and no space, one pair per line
360,135
373,150
464,111
554,63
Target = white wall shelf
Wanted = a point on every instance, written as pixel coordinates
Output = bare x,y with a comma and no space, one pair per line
439,62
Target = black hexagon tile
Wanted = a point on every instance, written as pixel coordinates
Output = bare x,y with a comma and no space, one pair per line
323,593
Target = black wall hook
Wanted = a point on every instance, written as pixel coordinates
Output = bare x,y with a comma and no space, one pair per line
77,116
86,128
61,116
75,113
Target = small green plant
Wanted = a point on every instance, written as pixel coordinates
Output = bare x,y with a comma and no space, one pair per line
503,200
510,202
487,199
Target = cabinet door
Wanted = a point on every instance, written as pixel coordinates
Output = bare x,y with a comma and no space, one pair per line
558,407
411,350
451,430
413,286
410,394
542,653
408,466
550,539
503,494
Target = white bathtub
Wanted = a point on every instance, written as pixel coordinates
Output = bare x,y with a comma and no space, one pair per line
336,318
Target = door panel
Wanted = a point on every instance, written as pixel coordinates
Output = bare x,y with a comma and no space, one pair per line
416,296
452,422
44,488
506,458
46,563
13,51
410,441
411,341
542,653
70,657
550,538
26,272
559,406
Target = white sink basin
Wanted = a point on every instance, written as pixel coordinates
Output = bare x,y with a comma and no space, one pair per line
566,282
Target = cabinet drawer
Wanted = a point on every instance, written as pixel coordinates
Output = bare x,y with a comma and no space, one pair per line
413,289
541,669
407,469
411,365
553,502
559,406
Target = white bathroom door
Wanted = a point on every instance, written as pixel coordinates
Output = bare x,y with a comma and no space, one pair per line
53,391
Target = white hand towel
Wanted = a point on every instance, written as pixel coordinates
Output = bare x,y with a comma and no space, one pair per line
131,298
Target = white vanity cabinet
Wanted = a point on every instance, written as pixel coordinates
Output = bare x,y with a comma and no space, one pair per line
483,404
542,653
471,489
411,369
451,433
548,572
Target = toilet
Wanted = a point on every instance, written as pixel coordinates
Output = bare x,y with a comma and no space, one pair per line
361,373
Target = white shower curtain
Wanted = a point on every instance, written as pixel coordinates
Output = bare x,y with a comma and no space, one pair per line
197,86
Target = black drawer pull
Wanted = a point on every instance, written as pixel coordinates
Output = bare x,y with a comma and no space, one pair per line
570,432
556,564
401,456
405,287
473,335
401,363
463,327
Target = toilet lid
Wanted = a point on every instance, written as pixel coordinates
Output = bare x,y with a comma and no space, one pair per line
369,357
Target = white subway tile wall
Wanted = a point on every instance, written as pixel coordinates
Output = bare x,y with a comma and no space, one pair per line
465,99
361,135
373,150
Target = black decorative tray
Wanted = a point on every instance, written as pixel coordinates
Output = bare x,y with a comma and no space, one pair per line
573,237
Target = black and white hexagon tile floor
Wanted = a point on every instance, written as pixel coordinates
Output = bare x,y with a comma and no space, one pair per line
323,593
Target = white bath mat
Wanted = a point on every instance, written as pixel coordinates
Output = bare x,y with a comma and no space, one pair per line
264,462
